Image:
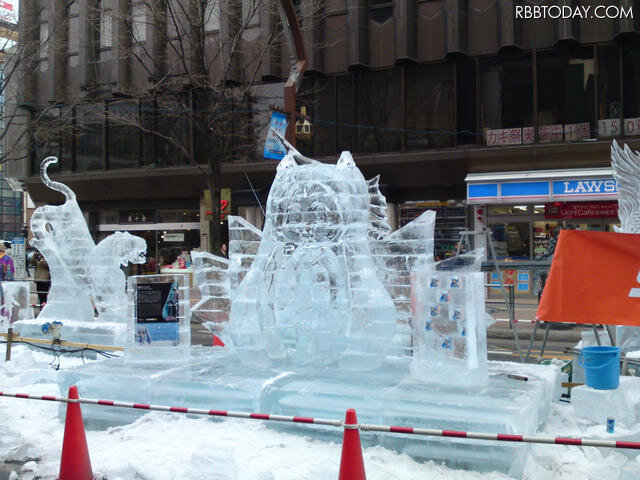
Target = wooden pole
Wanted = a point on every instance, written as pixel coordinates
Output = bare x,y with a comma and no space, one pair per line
9,339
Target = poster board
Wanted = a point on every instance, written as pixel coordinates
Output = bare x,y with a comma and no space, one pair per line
159,311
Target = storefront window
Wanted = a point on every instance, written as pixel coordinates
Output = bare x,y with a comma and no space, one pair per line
430,106
566,95
506,100
511,239
178,216
174,247
509,210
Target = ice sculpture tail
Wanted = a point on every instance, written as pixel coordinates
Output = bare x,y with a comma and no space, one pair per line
57,186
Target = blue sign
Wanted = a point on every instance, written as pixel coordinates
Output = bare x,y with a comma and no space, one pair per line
272,147
550,190
598,186
524,189
483,190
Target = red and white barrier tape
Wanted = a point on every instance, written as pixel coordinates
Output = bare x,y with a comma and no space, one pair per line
500,437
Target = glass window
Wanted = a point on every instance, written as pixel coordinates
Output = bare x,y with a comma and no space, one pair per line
466,102
566,95
631,79
211,19
108,217
106,19
511,239
139,22
174,247
509,210
123,135
506,100
344,113
379,111
178,216
74,27
147,120
609,104
171,143
89,137
44,34
319,100
430,106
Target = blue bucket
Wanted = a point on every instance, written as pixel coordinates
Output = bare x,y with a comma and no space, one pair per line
601,367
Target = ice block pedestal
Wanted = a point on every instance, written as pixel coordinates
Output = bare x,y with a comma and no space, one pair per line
385,396
622,404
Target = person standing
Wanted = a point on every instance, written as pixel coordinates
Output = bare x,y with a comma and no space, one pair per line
41,276
7,269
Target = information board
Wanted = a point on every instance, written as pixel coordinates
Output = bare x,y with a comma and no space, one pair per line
156,313
18,256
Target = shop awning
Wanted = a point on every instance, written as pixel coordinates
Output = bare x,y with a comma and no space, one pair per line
585,184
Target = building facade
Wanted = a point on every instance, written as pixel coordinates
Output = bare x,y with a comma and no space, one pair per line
426,93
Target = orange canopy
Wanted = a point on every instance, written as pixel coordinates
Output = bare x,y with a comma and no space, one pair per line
594,278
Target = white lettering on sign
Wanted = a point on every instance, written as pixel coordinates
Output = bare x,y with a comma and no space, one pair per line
590,186
635,292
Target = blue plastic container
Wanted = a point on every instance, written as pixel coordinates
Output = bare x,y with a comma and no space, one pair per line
601,367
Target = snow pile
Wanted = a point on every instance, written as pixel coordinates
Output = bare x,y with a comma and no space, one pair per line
162,446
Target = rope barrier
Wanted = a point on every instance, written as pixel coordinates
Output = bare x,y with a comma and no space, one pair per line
500,437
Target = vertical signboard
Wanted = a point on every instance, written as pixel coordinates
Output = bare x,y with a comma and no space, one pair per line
272,147
18,256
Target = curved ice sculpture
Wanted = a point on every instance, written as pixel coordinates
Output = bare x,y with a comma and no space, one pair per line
312,295
626,171
79,269
107,278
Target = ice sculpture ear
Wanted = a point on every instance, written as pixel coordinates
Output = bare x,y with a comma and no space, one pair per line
345,160
287,161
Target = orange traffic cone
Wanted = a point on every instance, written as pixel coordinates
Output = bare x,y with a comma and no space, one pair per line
217,342
351,463
75,463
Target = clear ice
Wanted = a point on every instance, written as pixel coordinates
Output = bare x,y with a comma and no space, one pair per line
626,171
312,294
326,309
83,274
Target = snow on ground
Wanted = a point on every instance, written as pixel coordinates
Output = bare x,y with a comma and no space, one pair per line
161,446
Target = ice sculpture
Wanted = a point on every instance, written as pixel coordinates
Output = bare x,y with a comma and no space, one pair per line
397,256
211,276
626,171
107,279
60,233
83,274
15,304
312,294
449,327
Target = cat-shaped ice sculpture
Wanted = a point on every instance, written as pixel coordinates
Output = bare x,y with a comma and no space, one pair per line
312,295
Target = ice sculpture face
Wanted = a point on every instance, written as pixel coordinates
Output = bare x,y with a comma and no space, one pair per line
312,295
78,267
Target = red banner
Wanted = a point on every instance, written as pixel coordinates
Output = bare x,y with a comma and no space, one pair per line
594,278
581,210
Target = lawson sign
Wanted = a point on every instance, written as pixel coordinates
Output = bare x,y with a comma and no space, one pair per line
599,186
542,190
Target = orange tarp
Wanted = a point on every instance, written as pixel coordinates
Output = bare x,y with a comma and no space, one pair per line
594,278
